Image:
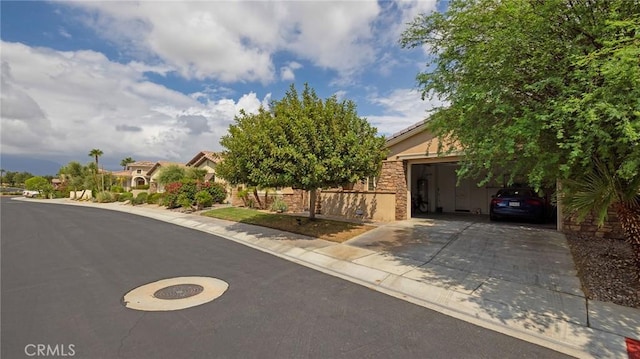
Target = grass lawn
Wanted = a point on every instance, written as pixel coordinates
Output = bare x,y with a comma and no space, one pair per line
335,231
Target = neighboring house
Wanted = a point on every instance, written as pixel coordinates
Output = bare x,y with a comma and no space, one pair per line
207,160
134,175
154,172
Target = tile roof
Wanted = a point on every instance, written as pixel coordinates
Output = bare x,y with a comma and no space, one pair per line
202,155
142,164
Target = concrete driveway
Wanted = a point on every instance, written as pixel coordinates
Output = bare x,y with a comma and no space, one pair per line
463,252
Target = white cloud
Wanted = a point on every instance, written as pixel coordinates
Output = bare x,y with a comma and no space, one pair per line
65,103
236,41
64,33
402,108
287,72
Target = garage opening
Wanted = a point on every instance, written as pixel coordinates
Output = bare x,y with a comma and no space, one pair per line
434,190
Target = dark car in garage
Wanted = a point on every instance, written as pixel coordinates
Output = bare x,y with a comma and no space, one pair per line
518,203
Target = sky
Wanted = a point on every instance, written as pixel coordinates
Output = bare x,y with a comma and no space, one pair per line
163,80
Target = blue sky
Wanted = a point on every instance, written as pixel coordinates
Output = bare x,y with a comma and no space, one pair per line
159,80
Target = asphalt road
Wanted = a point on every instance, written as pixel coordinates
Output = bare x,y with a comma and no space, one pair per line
65,269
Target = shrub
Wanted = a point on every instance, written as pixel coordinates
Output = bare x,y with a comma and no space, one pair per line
279,205
184,201
203,199
126,196
154,198
216,190
188,188
62,192
243,194
170,198
104,197
142,186
117,189
141,198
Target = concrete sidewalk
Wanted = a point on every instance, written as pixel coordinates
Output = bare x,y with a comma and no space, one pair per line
515,280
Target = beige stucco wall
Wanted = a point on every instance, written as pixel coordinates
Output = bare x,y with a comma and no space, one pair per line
80,195
420,144
378,206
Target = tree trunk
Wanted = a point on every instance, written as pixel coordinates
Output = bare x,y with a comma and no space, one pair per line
629,216
312,203
255,194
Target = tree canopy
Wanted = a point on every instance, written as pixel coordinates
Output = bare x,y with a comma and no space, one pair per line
171,173
539,89
126,161
96,153
303,142
37,183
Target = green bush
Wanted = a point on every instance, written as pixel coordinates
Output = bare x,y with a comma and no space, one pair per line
216,190
279,205
243,194
104,197
117,189
141,198
142,186
203,199
154,198
126,196
62,192
184,201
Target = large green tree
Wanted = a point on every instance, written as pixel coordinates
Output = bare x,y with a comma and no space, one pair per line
37,183
78,177
170,174
545,90
303,142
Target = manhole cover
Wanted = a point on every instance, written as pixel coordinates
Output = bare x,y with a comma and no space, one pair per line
174,293
178,291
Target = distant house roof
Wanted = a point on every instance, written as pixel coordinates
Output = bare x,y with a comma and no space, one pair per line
121,173
203,156
148,164
161,164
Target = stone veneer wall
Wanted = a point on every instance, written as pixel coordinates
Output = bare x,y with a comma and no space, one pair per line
610,229
297,201
393,179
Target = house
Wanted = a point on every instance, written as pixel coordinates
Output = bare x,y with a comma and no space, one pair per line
208,160
135,175
412,168
154,172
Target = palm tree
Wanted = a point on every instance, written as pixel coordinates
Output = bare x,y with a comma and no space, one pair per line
95,153
125,162
602,189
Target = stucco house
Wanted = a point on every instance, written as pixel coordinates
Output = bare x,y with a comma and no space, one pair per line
412,168
206,160
134,175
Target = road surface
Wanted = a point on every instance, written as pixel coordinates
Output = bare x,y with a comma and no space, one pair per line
65,270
